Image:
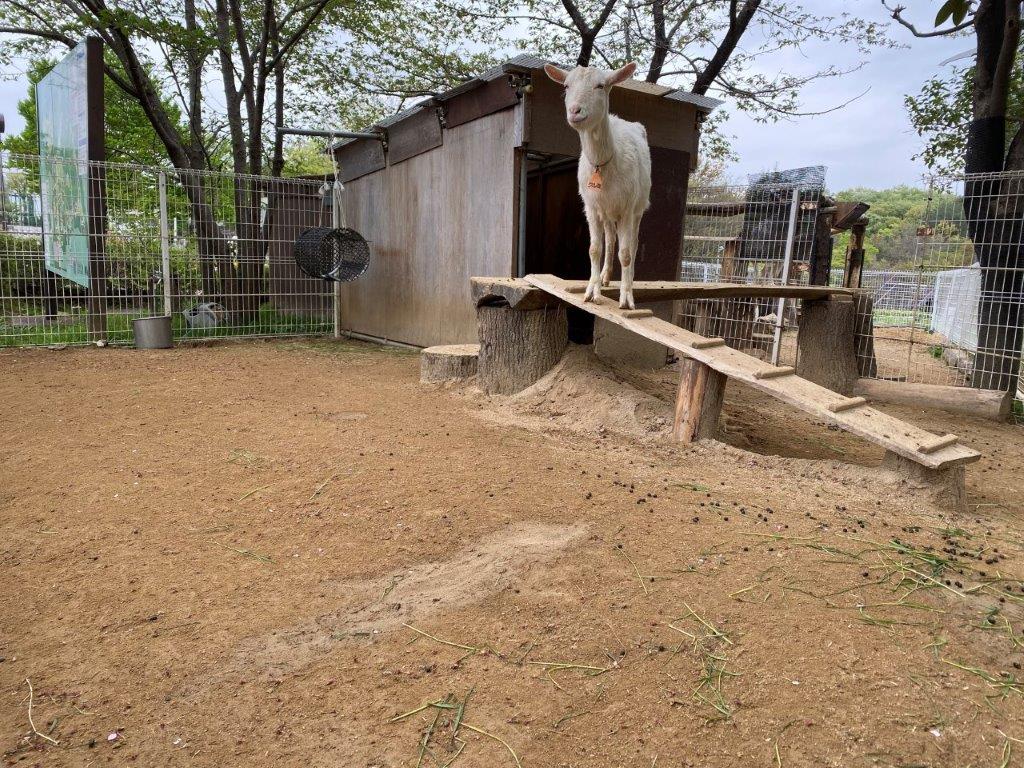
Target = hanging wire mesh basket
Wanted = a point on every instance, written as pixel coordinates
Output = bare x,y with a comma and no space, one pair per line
339,255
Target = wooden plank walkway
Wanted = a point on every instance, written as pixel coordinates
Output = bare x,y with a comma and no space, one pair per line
852,414
665,290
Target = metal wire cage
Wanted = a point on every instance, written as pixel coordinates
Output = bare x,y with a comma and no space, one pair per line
336,254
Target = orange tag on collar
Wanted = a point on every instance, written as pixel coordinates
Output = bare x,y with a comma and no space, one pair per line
595,179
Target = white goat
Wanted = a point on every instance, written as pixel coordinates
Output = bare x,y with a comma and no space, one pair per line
614,174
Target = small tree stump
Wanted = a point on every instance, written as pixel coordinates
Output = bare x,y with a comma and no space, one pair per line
698,401
946,486
517,347
448,362
828,347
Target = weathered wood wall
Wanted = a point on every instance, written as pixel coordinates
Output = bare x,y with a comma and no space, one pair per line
433,221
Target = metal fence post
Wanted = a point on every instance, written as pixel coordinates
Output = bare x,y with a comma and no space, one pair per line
165,243
337,221
780,310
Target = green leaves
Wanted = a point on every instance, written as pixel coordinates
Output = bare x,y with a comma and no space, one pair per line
940,113
956,10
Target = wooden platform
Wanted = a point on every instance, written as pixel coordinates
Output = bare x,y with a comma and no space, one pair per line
852,414
518,296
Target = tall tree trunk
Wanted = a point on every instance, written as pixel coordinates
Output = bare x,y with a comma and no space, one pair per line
211,246
661,43
586,49
992,208
243,285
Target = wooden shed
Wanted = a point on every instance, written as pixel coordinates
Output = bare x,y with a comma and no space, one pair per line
481,180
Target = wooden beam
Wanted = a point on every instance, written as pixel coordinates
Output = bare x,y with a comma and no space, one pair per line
938,443
667,290
985,403
854,266
847,403
698,401
847,214
519,294
773,372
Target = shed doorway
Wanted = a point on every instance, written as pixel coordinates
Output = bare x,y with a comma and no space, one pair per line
557,239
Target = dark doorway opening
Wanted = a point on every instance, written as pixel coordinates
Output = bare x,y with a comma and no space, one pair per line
557,238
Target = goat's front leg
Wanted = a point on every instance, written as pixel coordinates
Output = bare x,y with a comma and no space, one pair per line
609,251
628,235
596,249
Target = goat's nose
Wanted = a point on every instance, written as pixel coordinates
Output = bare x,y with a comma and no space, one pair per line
575,109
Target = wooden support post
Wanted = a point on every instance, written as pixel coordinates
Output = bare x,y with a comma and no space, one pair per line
828,345
698,401
517,346
855,255
728,270
821,252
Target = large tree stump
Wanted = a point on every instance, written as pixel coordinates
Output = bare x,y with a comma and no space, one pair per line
448,362
698,401
517,347
827,343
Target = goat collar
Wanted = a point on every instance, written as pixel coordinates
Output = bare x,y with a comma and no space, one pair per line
598,166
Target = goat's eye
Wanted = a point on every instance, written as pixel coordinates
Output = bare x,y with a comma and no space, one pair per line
599,87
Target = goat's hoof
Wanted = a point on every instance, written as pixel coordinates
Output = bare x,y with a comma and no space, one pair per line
626,302
606,279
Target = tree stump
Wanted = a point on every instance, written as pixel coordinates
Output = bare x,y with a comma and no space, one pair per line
448,362
946,486
827,344
698,401
517,347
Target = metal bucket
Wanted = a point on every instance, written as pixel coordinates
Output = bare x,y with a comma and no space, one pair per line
153,332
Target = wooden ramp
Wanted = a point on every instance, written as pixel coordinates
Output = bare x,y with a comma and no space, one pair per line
850,413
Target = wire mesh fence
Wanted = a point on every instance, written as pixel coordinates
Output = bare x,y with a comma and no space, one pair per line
87,248
761,233
953,317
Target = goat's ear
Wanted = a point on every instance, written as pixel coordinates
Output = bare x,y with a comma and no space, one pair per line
619,75
556,74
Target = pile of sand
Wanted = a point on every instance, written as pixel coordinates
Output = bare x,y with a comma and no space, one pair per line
585,395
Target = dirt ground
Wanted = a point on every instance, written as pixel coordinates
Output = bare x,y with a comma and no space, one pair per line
278,553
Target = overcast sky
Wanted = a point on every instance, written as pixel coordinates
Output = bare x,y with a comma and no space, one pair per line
868,143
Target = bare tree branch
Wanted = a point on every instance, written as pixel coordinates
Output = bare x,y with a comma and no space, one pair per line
738,22
897,15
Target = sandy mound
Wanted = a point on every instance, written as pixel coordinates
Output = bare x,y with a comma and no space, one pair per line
583,394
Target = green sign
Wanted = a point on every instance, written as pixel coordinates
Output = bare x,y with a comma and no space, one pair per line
63,117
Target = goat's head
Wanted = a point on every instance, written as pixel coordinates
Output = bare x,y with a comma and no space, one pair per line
586,92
